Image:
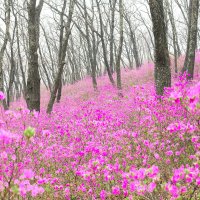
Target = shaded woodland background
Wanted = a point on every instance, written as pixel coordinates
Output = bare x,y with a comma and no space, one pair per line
55,43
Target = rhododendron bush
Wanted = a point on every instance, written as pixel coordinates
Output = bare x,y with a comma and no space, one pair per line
96,145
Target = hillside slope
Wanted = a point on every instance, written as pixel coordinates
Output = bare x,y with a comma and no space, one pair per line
96,145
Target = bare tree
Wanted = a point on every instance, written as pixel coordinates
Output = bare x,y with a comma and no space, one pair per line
112,26
13,71
62,57
91,47
20,63
33,81
177,51
45,69
104,45
7,5
133,41
162,62
105,38
118,70
192,38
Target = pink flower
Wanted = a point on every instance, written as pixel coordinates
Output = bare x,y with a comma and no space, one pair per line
153,172
3,155
82,188
195,139
67,192
176,96
124,183
141,173
156,155
28,174
169,153
115,190
198,181
2,123
103,194
133,186
172,189
188,179
36,190
1,186
42,170
42,181
183,189
178,153
2,95
151,187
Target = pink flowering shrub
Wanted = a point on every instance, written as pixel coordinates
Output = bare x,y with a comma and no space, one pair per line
96,145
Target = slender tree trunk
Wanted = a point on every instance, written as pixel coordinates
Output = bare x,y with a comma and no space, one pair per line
135,50
20,58
182,11
19,63
62,60
45,69
12,67
3,48
59,91
148,30
17,84
90,50
177,51
129,55
11,77
148,48
33,81
134,43
192,38
112,26
104,45
94,63
49,50
162,61
73,78
118,69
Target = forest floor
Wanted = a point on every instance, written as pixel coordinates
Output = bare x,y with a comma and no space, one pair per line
97,145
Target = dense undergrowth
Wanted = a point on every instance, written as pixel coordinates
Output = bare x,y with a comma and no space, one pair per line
96,145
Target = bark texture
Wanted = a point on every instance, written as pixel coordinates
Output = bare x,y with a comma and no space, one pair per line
118,69
162,63
33,81
192,38
3,48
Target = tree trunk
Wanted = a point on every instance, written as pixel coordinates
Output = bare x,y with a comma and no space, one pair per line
90,50
59,91
45,69
118,69
135,50
192,39
62,58
112,26
12,67
104,45
3,48
33,81
50,51
162,61
177,51
20,58
17,84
